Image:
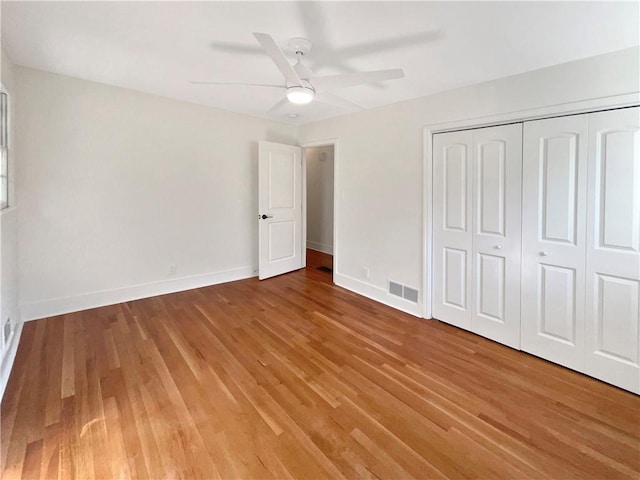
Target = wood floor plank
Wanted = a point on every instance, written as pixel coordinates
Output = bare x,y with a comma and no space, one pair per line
51,451
295,378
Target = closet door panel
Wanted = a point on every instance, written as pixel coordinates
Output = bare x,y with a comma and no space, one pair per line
497,179
557,291
613,248
452,227
553,239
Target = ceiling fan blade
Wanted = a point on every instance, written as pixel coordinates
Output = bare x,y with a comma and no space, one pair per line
334,82
278,57
278,105
331,99
380,45
237,48
239,83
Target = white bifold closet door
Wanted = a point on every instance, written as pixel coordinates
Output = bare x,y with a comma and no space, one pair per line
554,194
477,225
452,217
581,244
612,336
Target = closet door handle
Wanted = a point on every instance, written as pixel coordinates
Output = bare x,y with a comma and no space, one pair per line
498,247
544,253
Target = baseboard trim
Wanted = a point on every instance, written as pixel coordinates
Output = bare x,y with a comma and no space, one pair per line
320,247
378,294
59,306
8,358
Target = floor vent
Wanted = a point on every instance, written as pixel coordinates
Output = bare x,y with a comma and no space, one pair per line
403,291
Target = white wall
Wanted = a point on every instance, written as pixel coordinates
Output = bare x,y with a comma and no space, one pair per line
9,300
320,198
116,186
380,162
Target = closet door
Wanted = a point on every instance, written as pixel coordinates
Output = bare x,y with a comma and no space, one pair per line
613,249
497,181
553,239
452,241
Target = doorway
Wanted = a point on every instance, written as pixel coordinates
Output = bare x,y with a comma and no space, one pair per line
319,186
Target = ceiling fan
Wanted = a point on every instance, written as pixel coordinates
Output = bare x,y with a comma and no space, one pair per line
300,84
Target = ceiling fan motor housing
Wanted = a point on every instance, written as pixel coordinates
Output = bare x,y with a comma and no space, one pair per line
299,44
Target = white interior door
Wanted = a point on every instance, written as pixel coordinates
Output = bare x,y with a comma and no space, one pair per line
280,209
497,184
613,249
452,236
553,233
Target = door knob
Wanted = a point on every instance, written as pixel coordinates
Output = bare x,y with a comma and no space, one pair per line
498,247
544,253
264,217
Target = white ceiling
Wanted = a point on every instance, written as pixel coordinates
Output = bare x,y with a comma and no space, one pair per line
159,47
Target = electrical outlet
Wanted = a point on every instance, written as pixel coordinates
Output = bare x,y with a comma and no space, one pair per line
173,269
366,273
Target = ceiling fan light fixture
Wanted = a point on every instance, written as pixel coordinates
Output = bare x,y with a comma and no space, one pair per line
300,95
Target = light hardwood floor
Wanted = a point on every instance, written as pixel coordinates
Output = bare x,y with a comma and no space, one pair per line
296,378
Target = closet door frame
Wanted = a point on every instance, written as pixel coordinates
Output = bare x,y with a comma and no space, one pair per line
572,108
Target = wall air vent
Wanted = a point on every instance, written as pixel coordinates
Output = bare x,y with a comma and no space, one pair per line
395,289
403,291
410,294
